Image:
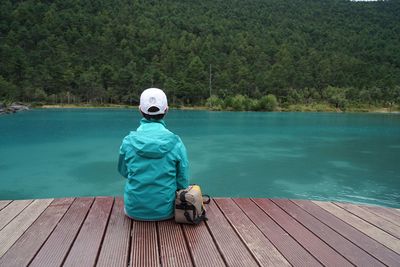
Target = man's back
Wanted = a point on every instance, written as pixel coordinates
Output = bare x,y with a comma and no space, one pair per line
154,161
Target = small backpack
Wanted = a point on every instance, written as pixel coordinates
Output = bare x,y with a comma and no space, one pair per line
189,205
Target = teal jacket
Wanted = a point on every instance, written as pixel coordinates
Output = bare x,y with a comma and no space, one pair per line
155,163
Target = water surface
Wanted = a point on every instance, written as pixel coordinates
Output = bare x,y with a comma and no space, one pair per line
325,156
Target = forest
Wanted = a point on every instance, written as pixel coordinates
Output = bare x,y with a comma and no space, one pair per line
240,55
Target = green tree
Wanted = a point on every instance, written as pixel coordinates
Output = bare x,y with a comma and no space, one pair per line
336,96
214,103
268,103
8,91
111,50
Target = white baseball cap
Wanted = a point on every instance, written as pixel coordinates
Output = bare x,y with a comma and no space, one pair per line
153,97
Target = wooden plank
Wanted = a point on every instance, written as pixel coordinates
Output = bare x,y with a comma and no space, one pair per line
397,211
10,233
86,247
363,226
115,248
347,249
385,213
365,242
372,218
4,203
144,248
262,249
202,247
12,210
54,251
26,247
173,249
233,250
319,249
290,249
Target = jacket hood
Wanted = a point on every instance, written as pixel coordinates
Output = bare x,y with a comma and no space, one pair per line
153,144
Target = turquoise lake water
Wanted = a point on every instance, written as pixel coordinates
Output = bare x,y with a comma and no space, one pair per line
325,156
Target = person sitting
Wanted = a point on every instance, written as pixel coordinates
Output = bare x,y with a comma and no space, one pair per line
154,161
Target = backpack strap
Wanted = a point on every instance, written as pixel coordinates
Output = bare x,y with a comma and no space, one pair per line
198,219
187,208
208,199
182,196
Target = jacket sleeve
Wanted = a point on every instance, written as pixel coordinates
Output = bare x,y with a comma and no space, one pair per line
122,169
182,169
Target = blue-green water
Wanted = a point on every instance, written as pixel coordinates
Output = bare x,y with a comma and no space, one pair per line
73,152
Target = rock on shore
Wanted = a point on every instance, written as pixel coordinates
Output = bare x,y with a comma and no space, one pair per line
13,108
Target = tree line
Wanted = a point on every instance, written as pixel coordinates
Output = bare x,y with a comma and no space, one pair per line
107,51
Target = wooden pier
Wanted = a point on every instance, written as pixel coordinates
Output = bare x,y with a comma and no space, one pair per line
239,232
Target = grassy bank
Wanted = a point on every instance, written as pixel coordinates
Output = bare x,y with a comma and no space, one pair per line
323,107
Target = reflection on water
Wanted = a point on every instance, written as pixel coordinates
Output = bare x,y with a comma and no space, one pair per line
346,157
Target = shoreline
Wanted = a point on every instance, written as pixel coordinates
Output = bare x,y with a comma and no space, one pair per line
204,108
116,106
82,106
